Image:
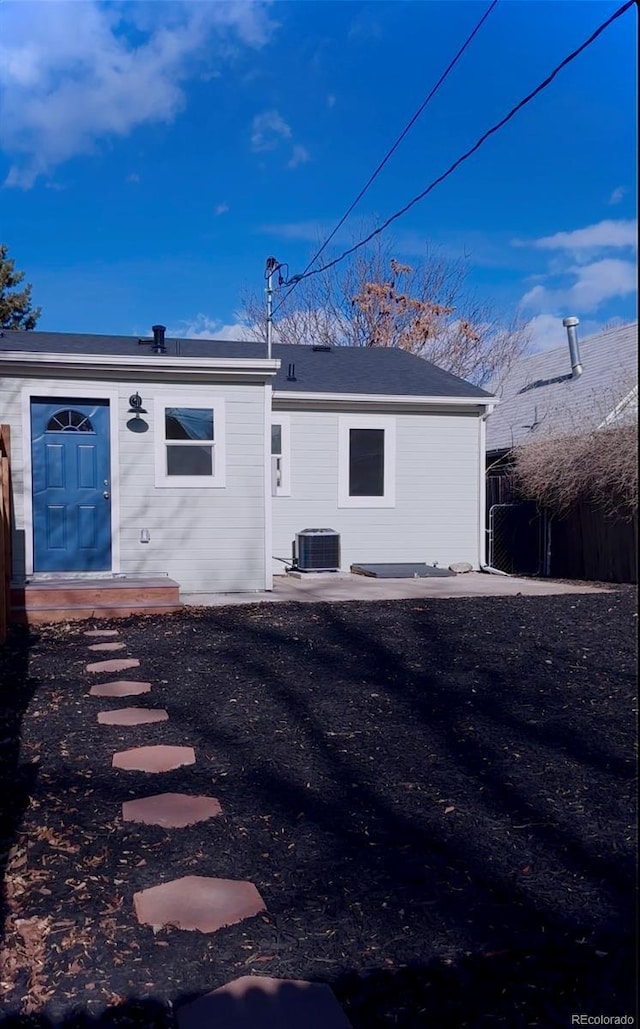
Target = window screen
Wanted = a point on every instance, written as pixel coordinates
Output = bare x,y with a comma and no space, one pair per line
366,462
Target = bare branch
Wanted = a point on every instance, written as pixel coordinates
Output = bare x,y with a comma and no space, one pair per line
376,300
596,460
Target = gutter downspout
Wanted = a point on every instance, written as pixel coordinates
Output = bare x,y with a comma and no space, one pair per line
482,497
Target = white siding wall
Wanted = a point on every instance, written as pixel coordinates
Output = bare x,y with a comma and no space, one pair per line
435,517
206,539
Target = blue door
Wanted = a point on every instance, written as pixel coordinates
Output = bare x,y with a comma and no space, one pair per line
71,485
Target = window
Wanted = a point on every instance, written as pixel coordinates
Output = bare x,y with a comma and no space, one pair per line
280,457
69,421
366,461
189,443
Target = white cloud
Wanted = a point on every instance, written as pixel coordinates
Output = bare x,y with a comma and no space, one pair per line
309,231
201,326
72,74
221,209
608,234
593,284
299,155
364,28
547,332
268,129
618,194
590,271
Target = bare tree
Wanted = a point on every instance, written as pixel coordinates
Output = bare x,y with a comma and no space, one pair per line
595,460
374,300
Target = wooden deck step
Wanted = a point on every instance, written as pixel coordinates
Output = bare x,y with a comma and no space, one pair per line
57,600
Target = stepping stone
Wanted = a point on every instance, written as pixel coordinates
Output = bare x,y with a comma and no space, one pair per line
102,632
260,1002
198,902
108,646
159,758
133,716
171,810
120,688
118,664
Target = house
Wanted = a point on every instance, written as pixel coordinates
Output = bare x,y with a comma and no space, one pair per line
201,460
567,391
541,393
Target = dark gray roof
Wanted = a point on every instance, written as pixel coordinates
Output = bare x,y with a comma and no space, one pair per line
370,370
539,394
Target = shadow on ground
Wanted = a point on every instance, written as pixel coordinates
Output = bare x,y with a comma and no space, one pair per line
18,770
486,992
435,800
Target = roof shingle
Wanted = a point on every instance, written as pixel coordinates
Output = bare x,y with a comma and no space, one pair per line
539,393
364,370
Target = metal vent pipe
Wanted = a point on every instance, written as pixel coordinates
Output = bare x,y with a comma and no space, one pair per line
158,338
571,325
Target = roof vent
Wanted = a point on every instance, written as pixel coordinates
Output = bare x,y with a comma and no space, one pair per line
158,345
571,325
324,348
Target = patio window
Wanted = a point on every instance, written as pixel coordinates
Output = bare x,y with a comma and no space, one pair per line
189,443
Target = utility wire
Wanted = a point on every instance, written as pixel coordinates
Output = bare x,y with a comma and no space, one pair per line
393,149
514,110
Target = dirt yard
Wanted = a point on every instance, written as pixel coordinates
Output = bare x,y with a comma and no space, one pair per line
435,799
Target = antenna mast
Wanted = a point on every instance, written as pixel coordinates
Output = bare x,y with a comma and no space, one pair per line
270,267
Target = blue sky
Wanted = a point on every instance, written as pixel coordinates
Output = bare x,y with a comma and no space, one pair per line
154,154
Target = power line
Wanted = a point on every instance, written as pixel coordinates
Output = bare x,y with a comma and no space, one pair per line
393,149
514,110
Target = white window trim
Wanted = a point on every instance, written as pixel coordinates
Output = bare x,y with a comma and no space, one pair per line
347,422
215,481
284,489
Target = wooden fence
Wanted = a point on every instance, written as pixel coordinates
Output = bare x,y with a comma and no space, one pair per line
585,543
588,544
5,528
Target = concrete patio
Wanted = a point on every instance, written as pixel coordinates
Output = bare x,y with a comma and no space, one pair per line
316,587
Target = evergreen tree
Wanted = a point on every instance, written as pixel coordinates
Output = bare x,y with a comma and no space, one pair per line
16,311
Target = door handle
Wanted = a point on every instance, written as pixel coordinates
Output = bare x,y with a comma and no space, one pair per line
106,495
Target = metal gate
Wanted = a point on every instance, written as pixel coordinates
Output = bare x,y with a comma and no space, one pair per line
516,539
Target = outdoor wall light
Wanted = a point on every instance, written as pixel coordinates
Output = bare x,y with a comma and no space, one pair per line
145,536
135,404
136,424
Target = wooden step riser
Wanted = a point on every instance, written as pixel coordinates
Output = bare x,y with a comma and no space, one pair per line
42,616
59,597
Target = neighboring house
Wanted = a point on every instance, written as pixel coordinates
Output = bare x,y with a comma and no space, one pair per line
202,460
541,395
568,391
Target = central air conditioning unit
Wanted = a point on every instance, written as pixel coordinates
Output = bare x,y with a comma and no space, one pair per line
318,550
